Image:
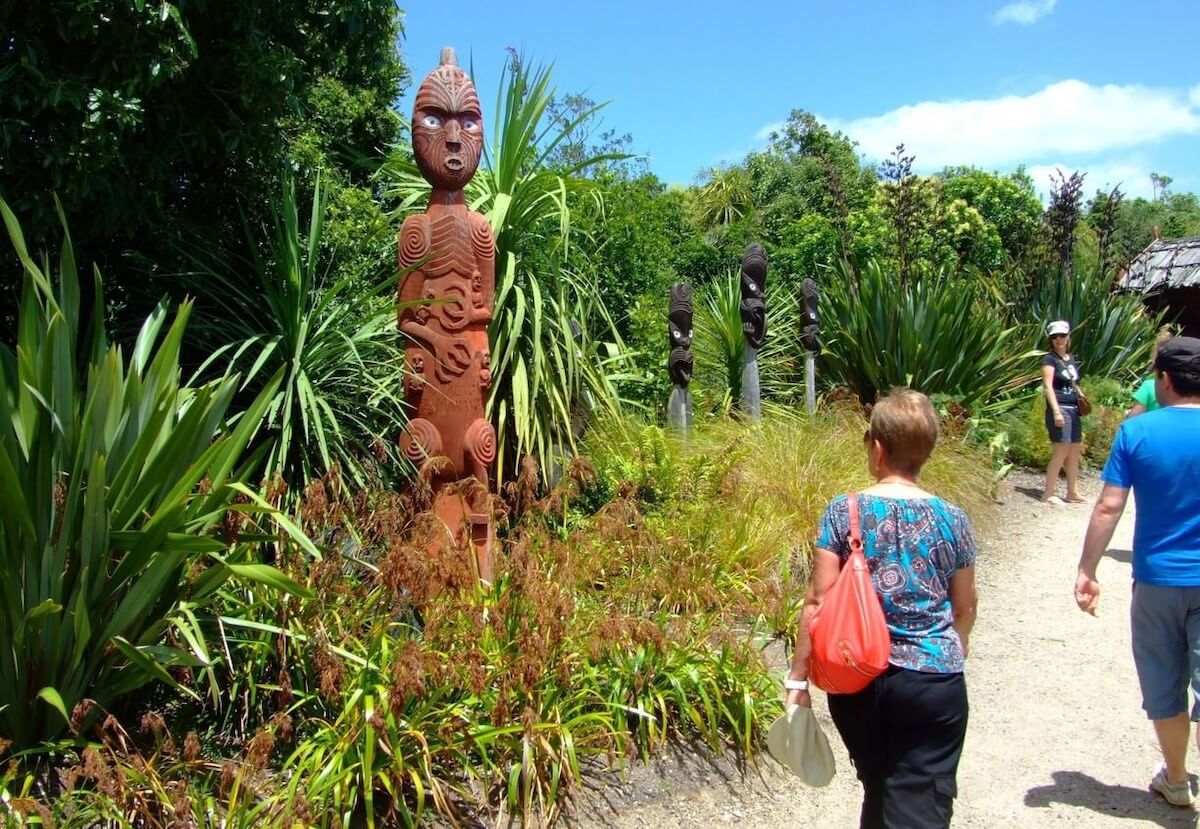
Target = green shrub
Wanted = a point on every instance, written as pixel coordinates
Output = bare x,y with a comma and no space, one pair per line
720,344
938,334
1029,442
1111,333
114,479
405,687
334,341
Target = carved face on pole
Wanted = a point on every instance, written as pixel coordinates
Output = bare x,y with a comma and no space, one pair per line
810,330
679,334
447,126
754,286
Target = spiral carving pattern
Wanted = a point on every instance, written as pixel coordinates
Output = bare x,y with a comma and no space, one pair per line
414,245
420,440
482,241
481,441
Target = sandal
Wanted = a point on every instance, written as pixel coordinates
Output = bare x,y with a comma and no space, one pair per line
1054,500
1077,500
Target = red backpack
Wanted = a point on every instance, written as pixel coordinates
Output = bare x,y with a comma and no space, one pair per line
849,634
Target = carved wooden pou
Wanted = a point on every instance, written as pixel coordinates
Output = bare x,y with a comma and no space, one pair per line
754,325
679,359
754,301
679,334
447,259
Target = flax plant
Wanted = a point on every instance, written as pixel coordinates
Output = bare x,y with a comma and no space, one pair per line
1111,333
114,478
334,341
938,334
720,344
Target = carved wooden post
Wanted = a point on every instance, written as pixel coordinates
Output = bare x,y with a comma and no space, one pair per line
447,256
810,332
679,360
754,325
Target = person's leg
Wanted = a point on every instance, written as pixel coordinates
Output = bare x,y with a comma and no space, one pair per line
1058,455
925,716
1158,624
1072,469
856,717
1192,626
1173,737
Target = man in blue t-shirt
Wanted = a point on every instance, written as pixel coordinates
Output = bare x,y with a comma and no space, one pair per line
1158,456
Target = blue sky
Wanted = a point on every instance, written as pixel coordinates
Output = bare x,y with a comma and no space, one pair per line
1110,87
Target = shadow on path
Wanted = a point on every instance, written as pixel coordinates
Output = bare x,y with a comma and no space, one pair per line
1117,554
1033,492
1073,788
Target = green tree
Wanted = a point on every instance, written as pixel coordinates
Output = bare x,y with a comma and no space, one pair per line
1006,203
157,121
586,138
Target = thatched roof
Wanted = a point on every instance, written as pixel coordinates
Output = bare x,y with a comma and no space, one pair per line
1165,265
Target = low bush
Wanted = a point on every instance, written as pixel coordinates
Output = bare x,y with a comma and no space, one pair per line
632,605
1028,443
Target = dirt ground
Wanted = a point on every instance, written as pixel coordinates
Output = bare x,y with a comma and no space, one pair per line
1056,738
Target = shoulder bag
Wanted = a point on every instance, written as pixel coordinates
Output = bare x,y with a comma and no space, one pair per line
849,634
1085,405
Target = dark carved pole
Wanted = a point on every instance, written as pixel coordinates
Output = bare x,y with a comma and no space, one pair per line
754,325
447,257
810,332
679,361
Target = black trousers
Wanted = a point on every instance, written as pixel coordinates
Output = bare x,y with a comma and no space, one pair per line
905,734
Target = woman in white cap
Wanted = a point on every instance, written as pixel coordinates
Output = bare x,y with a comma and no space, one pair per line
1060,378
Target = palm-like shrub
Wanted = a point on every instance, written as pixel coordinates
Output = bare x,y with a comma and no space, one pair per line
555,350
1111,333
334,341
720,344
113,478
937,335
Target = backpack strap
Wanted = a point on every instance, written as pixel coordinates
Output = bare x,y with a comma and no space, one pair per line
855,535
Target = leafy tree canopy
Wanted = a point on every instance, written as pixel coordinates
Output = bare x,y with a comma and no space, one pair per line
157,121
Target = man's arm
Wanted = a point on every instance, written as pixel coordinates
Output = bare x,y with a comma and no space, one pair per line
1105,516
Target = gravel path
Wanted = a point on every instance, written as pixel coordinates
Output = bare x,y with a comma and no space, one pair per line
1057,736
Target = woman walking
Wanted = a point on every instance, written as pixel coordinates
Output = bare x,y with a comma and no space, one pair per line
904,731
1060,383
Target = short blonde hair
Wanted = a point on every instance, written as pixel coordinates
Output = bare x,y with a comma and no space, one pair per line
906,425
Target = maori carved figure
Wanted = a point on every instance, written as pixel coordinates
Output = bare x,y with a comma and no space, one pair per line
448,258
810,322
679,333
679,362
754,286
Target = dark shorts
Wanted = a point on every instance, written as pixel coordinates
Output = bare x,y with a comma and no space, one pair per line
1165,626
1071,431
905,734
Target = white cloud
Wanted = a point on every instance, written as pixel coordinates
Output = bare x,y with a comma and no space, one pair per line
764,134
1024,12
1068,117
1132,174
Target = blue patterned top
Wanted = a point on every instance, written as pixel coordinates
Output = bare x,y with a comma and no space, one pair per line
913,546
